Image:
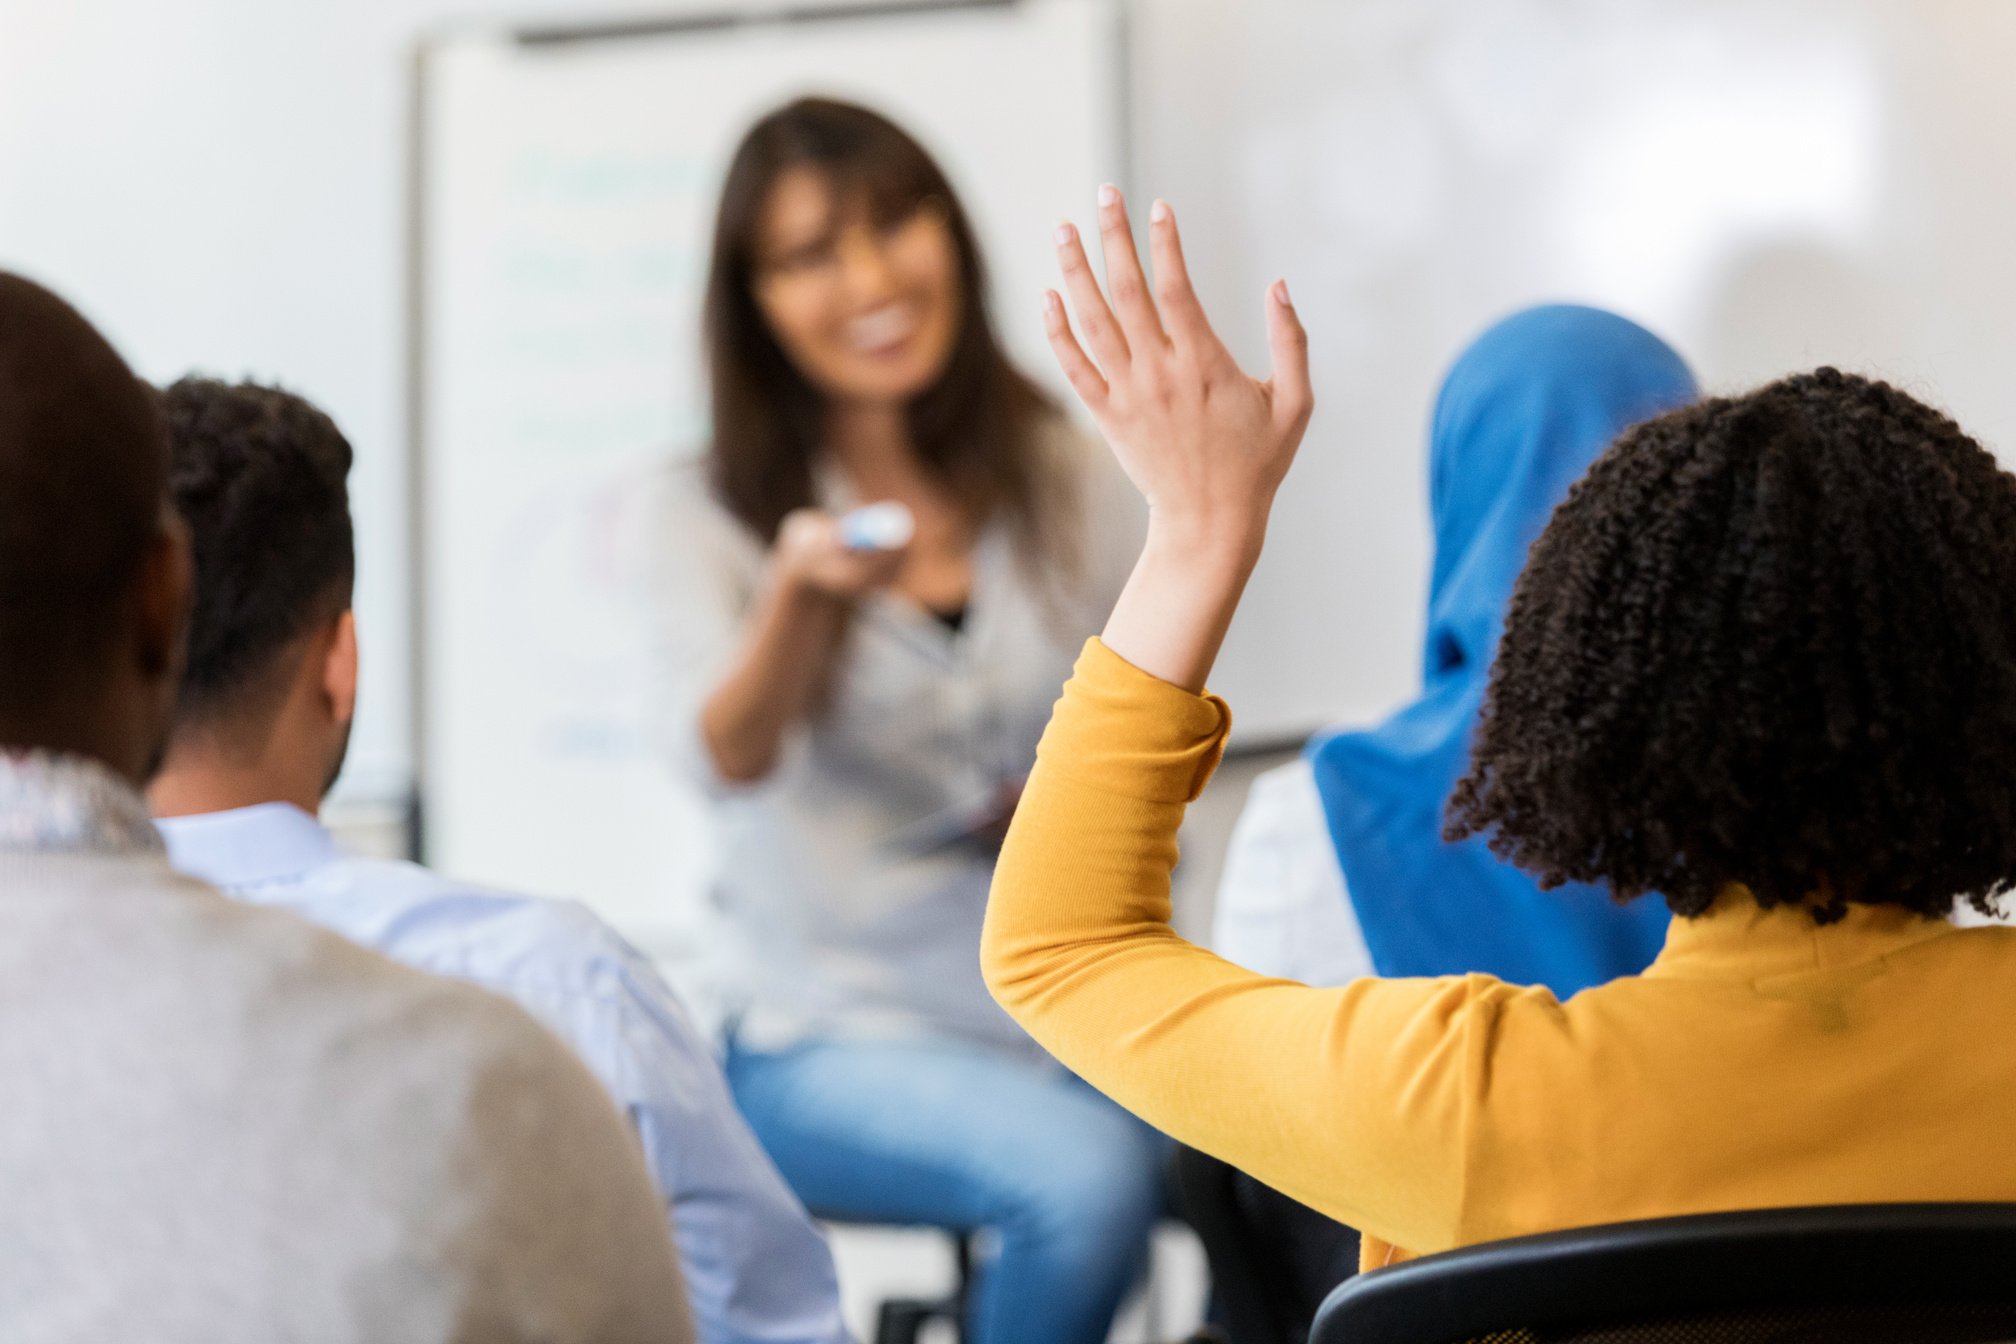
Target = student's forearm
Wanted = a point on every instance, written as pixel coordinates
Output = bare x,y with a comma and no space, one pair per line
787,648
1172,616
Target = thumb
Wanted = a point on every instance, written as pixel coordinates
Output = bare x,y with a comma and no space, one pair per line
1289,345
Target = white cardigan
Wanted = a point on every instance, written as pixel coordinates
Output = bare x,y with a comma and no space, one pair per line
850,883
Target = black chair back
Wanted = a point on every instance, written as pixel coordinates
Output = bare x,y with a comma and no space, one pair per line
1273,1261
1865,1274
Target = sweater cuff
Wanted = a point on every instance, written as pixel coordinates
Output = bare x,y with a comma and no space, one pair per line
1122,731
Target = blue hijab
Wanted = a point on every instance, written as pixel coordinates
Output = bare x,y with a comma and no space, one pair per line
1520,417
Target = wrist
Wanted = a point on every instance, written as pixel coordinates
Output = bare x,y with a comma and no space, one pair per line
797,589
1218,543
1174,612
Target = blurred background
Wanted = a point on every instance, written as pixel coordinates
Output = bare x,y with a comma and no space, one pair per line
474,233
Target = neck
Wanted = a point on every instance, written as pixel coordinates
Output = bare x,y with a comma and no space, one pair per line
870,440
96,737
205,776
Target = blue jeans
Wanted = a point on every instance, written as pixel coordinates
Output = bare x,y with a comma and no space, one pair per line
948,1135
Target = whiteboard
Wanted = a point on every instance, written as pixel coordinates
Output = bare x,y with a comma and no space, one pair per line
566,192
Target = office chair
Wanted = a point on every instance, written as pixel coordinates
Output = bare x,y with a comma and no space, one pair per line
901,1320
1859,1274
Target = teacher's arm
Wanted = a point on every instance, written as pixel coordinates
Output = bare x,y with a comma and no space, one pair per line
1352,1099
788,643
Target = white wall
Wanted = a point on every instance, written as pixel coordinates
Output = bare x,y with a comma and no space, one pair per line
217,184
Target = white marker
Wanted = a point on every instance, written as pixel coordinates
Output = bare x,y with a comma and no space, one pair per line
878,527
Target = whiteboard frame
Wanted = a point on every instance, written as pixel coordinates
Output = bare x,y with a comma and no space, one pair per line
533,34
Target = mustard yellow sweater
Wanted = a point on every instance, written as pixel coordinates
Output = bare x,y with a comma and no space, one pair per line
1762,1060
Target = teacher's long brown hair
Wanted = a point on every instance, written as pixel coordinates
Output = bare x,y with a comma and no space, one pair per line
978,427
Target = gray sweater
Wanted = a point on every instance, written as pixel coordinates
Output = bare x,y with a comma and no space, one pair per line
221,1124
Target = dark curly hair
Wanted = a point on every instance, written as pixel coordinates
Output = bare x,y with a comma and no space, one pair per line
260,475
1767,640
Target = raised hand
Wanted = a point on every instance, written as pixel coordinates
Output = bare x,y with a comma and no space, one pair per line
1205,443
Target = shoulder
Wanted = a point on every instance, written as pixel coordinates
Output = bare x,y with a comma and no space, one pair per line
320,1002
1443,1036
498,1150
696,545
681,492
1064,440
683,482
450,927
254,950
1080,456
375,1094
422,1054
1988,941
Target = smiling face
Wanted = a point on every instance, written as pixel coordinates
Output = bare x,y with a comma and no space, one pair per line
866,307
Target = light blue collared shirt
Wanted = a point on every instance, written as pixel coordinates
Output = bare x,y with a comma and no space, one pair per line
757,1270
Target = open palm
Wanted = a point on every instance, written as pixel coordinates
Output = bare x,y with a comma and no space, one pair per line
1204,442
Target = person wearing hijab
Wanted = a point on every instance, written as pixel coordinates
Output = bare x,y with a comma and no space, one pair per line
1337,867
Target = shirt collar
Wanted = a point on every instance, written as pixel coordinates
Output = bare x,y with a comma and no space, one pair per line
245,846
1737,938
59,803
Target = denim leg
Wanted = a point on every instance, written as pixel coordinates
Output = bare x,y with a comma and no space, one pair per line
965,1138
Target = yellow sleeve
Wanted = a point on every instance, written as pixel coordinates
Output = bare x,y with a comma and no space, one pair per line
1355,1100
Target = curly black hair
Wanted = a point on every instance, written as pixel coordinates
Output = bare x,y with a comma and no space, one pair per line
261,477
1767,640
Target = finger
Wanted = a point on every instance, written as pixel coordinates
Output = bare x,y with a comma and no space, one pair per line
1125,283
880,568
1079,371
1095,319
1182,314
1289,343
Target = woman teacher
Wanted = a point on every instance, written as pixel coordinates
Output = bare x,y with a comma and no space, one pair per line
861,712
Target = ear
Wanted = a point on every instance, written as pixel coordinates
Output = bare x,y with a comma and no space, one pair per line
339,669
167,587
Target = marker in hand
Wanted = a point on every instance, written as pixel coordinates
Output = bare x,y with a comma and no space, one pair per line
887,526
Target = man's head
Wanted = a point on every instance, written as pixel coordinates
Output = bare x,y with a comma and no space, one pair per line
261,478
94,567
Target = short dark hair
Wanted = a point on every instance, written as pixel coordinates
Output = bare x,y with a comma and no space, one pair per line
1767,640
83,477
260,475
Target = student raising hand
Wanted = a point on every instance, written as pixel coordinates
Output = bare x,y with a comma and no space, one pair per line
1726,676
1206,444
